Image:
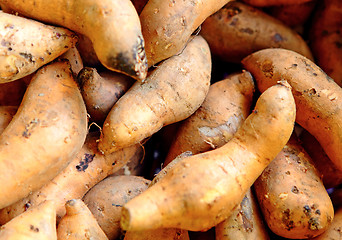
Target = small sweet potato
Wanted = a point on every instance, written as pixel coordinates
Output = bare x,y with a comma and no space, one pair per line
172,92
26,45
201,191
100,91
318,97
237,30
245,223
106,198
79,223
224,109
292,196
39,223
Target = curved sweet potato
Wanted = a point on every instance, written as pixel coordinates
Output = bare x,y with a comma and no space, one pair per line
44,135
27,45
317,96
202,190
112,26
172,92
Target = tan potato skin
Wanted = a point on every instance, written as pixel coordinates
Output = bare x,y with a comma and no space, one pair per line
226,106
45,134
172,92
39,223
79,223
334,230
325,38
6,115
291,195
101,90
245,223
102,22
106,198
237,30
268,3
87,169
202,190
317,96
329,173
27,45
167,25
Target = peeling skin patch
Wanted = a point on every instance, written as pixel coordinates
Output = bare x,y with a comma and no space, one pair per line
83,164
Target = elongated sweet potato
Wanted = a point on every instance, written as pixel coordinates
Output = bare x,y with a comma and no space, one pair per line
106,198
238,30
224,109
172,92
100,91
202,190
87,169
44,135
26,45
245,223
6,115
39,223
317,96
292,196
326,38
167,25
112,26
79,223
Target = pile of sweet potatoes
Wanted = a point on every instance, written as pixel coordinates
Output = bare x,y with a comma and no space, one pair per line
171,119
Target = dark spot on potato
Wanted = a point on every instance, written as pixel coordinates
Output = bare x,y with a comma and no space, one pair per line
318,212
27,56
313,224
247,30
277,38
116,205
287,172
286,220
113,163
267,68
35,229
295,190
294,65
29,128
307,210
83,164
27,205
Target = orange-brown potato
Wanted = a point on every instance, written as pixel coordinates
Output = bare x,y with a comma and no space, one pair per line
292,197
317,96
113,26
237,30
224,109
27,45
245,223
101,90
326,38
106,198
168,25
44,135
6,115
79,223
330,174
201,190
87,169
39,223
171,93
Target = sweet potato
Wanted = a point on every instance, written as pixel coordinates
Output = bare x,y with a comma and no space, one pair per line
168,25
6,115
202,190
39,223
317,96
79,223
292,196
44,135
100,91
245,223
172,92
225,107
329,173
87,169
238,30
26,45
268,3
106,198
326,38
334,232
112,26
